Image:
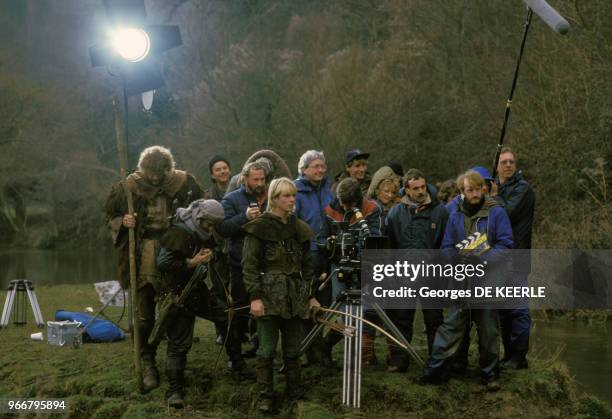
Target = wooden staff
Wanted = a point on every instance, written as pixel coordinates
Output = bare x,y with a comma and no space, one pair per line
121,149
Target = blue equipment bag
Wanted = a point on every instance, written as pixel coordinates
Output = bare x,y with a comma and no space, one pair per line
98,331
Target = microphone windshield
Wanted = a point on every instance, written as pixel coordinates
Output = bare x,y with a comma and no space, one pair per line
549,15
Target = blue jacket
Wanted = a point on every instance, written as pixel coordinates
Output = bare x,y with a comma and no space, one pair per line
493,221
310,204
235,204
454,205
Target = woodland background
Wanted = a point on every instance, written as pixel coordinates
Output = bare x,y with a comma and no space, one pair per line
423,82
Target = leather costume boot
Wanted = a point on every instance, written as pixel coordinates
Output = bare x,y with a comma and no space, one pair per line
367,349
150,375
293,378
265,386
177,391
175,371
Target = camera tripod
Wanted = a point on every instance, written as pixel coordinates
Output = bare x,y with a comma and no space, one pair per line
16,292
353,319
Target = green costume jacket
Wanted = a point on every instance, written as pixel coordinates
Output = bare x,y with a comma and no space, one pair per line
277,265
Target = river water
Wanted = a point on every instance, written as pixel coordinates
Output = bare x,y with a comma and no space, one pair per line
587,350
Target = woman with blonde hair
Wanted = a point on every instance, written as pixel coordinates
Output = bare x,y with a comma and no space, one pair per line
278,274
384,188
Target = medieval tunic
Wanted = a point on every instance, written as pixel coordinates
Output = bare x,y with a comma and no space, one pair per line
277,264
277,267
153,206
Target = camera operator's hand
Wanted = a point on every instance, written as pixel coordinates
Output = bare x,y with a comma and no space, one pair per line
252,213
257,308
330,243
129,220
203,256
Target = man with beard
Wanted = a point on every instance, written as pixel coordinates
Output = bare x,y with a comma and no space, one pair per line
220,173
158,188
460,362
480,214
356,168
514,193
244,204
417,222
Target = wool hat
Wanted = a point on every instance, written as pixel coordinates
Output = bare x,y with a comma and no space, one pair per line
201,209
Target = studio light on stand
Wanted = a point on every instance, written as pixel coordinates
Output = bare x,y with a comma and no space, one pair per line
129,51
131,48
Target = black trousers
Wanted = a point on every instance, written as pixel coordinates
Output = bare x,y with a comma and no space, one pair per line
180,339
240,324
146,320
404,320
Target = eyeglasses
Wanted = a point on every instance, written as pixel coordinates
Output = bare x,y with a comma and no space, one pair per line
508,161
318,166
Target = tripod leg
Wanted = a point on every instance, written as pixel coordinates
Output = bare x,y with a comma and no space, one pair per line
8,307
398,335
346,385
35,307
355,355
359,360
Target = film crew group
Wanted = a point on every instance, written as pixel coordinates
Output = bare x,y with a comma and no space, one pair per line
262,239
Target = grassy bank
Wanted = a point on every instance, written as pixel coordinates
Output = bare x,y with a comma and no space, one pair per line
97,381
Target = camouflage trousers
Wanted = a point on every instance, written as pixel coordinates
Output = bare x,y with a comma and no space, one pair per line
291,331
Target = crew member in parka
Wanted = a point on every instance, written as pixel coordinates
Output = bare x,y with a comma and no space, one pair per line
156,187
418,222
477,213
191,247
278,274
514,193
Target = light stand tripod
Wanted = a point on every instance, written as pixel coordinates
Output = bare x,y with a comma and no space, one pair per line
16,292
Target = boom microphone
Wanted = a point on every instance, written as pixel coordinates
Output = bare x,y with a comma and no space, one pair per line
549,15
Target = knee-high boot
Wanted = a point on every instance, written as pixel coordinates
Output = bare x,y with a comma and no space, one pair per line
265,385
